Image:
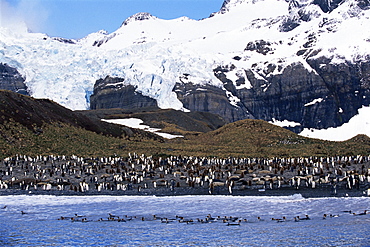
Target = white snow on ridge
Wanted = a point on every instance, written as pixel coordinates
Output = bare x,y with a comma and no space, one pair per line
284,123
319,100
138,124
359,124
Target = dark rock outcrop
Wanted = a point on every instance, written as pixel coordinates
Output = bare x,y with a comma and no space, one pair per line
142,16
11,80
65,41
113,93
327,96
260,46
363,4
302,12
208,98
327,5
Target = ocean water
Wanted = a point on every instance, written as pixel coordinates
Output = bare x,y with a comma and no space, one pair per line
39,225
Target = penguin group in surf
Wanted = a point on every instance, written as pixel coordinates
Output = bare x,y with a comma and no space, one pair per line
146,175
227,220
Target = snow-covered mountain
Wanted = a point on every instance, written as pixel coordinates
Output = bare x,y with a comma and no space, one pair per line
304,61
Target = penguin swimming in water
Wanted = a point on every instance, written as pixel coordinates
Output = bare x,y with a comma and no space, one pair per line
305,218
234,223
364,213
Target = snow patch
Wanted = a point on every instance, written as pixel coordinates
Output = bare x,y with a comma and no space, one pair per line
319,100
138,124
232,99
284,123
359,124
234,76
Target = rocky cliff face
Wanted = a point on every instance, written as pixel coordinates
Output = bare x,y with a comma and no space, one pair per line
113,93
327,96
11,80
211,99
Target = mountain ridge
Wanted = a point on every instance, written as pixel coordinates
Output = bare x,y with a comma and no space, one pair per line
238,63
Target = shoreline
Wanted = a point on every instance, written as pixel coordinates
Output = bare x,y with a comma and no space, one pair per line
166,192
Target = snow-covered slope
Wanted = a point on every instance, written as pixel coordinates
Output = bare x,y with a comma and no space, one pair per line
151,53
359,124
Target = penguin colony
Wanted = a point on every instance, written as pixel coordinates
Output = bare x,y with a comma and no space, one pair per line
140,174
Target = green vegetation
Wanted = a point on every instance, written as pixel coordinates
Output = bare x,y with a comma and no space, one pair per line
63,139
40,127
247,138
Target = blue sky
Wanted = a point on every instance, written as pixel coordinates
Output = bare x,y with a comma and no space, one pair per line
77,18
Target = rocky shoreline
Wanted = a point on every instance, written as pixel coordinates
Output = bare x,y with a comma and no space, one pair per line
180,176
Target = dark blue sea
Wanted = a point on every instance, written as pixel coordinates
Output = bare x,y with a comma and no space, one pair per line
183,221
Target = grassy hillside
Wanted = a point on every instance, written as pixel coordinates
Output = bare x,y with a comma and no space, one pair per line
41,127
258,138
64,139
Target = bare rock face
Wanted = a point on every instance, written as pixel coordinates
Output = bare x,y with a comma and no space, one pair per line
113,93
11,80
142,16
260,46
327,96
208,98
327,5
348,87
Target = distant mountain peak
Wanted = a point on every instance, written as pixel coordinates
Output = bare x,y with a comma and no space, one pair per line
141,16
228,4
